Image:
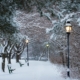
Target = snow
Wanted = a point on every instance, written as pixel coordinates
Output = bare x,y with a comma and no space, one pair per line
48,30
2,48
53,36
20,36
78,21
67,17
37,70
54,22
47,15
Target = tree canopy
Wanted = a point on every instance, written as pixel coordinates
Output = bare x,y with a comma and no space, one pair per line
6,12
7,8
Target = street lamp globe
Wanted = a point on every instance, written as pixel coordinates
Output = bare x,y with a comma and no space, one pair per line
68,27
27,41
47,45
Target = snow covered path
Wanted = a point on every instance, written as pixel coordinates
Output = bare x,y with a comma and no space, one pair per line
37,70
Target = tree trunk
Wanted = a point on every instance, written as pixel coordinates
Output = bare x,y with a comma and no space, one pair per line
3,62
17,58
9,59
3,66
63,59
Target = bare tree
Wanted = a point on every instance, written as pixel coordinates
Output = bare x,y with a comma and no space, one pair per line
18,49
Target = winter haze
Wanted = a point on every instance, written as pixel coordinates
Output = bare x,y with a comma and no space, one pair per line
42,22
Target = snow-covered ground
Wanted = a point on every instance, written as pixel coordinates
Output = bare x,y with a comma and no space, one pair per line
37,70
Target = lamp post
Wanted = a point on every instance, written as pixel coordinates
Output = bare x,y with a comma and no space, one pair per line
68,30
27,53
47,50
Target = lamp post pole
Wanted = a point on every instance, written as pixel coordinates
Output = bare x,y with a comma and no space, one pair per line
47,50
27,53
68,71
68,30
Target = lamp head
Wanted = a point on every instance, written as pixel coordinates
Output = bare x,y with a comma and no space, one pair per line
26,41
47,45
68,27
